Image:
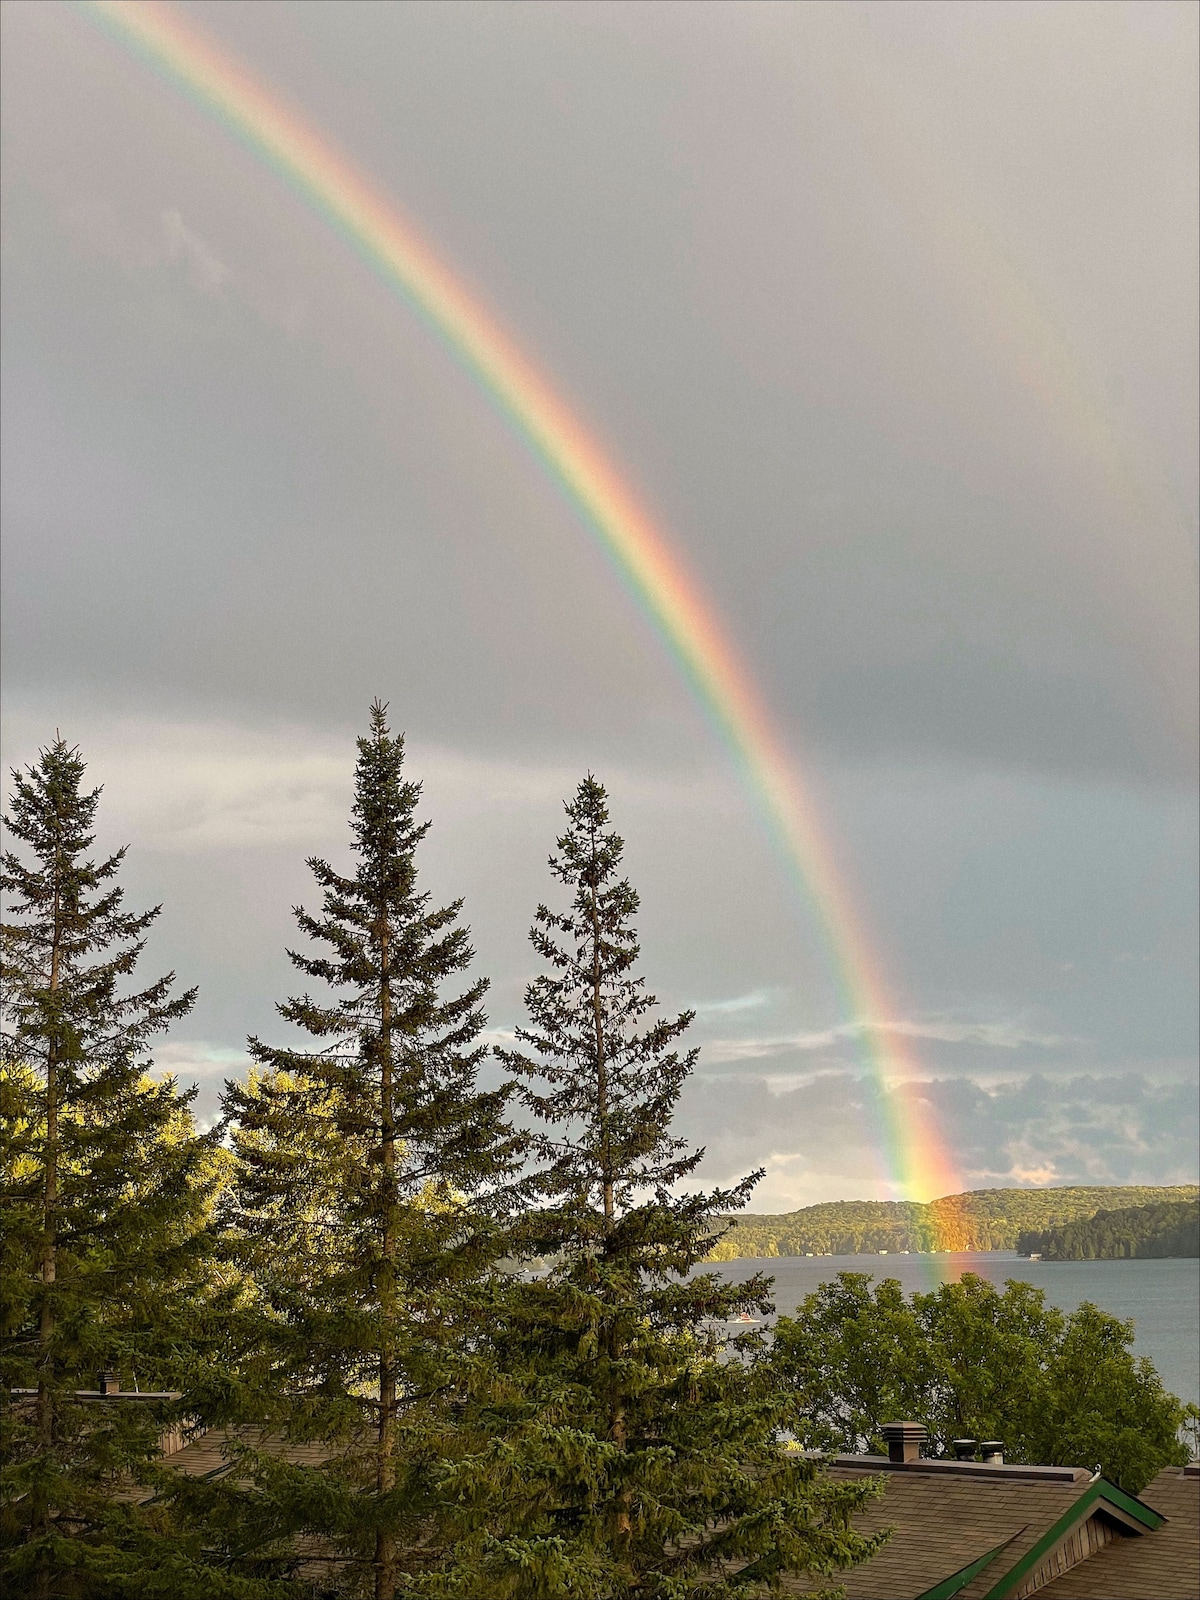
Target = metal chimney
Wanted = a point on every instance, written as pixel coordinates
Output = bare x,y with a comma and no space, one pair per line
992,1451
904,1440
964,1449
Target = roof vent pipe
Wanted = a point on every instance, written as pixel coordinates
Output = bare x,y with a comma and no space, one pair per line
992,1451
904,1440
964,1449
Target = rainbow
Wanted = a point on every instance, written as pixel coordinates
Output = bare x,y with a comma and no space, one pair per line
651,570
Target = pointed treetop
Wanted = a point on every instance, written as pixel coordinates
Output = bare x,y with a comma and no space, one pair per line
590,852
53,815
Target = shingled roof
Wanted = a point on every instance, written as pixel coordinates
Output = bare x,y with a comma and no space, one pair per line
1147,1569
212,1454
979,1532
961,1530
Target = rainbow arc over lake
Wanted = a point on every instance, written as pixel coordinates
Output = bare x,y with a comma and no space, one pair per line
653,572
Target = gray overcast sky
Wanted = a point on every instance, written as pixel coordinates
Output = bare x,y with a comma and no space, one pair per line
887,311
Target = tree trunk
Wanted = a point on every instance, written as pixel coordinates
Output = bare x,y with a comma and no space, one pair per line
49,1249
45,1399
606,1171
385,1467
617,1431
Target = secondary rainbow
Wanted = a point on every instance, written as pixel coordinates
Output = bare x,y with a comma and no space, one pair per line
651,570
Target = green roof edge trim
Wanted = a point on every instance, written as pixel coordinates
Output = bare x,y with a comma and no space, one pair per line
1095,1494
1138,1509
958,1581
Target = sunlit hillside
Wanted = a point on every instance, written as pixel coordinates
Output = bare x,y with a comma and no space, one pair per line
988,1219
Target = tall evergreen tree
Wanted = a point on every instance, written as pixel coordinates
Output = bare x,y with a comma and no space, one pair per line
106,1188
626,1446
368,1174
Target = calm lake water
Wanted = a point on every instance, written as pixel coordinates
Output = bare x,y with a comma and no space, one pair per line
1162,1297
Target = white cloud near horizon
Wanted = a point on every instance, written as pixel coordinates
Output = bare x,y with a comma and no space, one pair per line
994,1035
199,1060
753,1001
826,1132
828,1139
196,786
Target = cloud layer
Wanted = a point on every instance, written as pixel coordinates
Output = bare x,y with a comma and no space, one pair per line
890,330
827,1133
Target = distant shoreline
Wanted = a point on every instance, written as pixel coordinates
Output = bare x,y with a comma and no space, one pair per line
981,1219
932,1255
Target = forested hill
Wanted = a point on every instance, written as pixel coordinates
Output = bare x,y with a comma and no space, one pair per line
1168,1228
986,1219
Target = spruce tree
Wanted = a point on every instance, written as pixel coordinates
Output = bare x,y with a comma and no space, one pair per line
626,1445
106,1191
368,1172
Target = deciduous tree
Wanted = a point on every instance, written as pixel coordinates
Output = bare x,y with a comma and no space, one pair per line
972,1361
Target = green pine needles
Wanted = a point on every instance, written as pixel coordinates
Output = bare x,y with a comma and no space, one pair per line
626,1448
370,1176
107,1191
425,1332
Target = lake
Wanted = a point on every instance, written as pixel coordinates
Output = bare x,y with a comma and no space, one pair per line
1162,1297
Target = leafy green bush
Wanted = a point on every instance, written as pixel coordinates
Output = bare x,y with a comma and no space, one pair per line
970,1361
